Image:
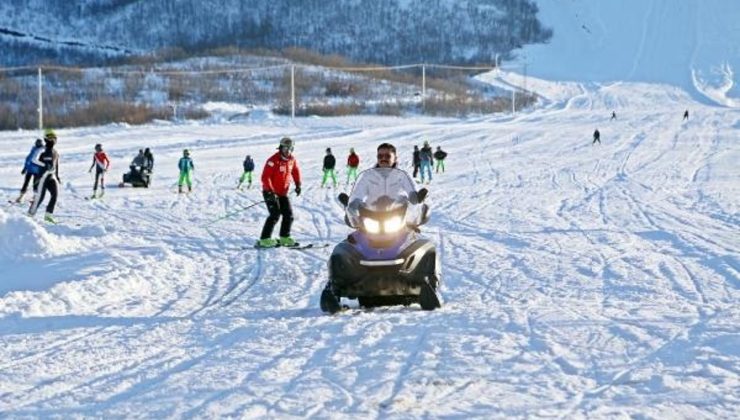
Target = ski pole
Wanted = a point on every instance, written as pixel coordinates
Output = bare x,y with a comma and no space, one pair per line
227,215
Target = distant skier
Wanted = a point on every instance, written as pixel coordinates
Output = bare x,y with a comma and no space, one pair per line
101,164
353,162
440,156
329,163
148,160
48,179
248,166
686,115
426,159
416,161
614,115
597,137
186,167
31,169
279,170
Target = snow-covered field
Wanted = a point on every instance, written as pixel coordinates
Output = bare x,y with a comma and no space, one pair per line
579,280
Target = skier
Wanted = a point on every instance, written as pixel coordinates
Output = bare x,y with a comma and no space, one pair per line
186,168
597,137
101,163
440,156
48,178
329,163
279,169
614,115
686,115
148,160
353,162
426,161
31,169
416,161
248,166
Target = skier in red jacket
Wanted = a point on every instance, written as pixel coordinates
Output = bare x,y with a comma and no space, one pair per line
279,169
353,161
101,164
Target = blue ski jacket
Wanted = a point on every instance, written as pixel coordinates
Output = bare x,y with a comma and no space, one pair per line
29,165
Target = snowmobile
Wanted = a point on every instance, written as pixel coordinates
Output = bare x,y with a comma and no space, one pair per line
384,261
138,176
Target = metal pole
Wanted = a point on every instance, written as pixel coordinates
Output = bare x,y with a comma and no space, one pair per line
292,92
513,101
41,104
423,84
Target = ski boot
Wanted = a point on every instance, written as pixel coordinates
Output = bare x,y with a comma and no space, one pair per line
48,217
20,198
287,241
267,243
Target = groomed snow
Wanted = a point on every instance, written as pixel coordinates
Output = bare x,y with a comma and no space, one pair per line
691,44
579,280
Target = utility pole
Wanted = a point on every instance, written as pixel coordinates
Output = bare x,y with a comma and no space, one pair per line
41,103
292,91
423,85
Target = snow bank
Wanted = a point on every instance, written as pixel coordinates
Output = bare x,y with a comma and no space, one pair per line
22,239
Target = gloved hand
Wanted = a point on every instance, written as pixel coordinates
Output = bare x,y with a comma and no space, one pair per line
269,196
89,170
297,190
421,195
23,171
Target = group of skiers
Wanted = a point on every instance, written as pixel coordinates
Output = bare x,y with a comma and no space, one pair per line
280,170
597,134
424,159
42,165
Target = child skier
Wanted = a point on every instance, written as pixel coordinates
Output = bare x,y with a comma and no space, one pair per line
248,166
440,156
31,169
186,168
329,163
101,163
353,162
48,179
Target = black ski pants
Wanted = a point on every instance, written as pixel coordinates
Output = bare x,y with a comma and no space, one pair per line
49,184
99,175
26,181
277,206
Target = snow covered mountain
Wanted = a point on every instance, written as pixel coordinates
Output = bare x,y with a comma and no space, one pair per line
692,44
385,31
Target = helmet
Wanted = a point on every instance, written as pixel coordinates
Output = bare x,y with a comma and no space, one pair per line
39,143
328,150
426,143
50,136
186,152
98,147
351,150
286,142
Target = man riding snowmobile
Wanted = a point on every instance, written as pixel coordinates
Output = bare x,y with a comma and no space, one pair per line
384,261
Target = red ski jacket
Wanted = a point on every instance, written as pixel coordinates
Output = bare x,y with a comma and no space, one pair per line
278,172
101,160
353,160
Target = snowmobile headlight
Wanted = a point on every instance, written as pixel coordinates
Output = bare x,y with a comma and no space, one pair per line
392,225
371,225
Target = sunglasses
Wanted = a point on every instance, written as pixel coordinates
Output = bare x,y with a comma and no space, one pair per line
385,155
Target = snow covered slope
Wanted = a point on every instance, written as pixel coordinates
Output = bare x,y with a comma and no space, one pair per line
692,44
579,280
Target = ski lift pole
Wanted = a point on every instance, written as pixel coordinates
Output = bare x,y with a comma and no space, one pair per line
41,104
